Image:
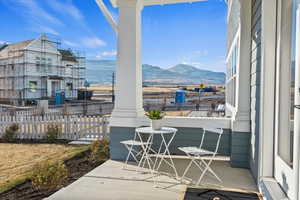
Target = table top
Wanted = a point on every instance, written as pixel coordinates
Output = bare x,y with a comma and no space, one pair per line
149,130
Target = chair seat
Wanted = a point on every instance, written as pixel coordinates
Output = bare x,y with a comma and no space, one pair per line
133,143
195,151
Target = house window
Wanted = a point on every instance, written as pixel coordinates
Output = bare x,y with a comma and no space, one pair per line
286,85
37,63
69,70
232,63
69,86
49,65
32,86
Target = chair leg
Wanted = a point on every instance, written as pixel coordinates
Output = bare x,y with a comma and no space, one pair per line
130,153
210,169
207,168
145,149
201,176
127,158
156,159
187,169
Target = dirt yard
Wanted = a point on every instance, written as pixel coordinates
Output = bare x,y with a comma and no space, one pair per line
17,159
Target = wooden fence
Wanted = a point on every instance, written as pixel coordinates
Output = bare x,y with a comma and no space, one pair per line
72,127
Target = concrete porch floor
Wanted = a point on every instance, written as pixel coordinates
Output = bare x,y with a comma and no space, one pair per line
110,182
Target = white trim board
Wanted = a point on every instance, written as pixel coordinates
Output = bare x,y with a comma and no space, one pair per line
179,122
197,122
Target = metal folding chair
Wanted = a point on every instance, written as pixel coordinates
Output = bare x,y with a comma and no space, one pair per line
130,145
196,155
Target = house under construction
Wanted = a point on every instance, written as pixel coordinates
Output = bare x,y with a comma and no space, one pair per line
37,69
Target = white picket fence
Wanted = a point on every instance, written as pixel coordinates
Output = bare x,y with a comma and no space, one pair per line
30,112
72,127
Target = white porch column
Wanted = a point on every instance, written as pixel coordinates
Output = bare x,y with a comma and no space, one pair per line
129,95
241,121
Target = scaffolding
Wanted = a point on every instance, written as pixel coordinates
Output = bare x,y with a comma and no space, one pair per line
36,69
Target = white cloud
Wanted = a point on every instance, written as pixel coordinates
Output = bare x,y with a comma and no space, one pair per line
195,64
2,42
106,54
45,29
195,55
202,60
38,19
66,8
34,12
201,52
93,42
69,43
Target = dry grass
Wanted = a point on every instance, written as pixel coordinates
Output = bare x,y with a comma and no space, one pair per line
182,113
159,89
17,160
107,88
99,88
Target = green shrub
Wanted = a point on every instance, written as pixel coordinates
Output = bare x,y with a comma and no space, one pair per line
11,132
99,150
155,114
49,175
52,133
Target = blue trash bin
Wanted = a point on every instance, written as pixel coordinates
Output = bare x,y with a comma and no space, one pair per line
180,97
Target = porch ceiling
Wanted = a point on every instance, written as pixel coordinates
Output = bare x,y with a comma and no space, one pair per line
115,3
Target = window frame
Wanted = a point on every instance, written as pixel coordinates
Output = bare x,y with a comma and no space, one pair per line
232,73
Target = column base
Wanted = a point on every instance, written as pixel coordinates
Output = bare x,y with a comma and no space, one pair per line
129,118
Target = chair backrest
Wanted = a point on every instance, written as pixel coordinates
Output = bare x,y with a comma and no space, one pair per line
214,130
221,108
218,131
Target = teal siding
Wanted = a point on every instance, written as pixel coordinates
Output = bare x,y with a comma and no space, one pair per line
118,134
240,147
234,145
255,84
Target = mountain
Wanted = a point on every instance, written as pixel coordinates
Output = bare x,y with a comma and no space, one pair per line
184,69
196,73
100,71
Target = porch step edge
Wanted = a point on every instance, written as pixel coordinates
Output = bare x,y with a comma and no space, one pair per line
271,189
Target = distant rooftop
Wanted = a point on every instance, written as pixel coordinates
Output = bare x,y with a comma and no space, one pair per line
15,46
67,55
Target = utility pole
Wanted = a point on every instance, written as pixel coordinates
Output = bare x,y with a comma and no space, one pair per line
113,88
86,85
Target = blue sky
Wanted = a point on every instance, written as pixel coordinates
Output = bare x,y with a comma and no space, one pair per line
171,34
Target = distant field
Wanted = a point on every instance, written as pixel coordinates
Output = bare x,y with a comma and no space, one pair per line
98,88
107,89
17,160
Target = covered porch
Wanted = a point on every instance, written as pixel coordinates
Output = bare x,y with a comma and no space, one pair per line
128,113
110,181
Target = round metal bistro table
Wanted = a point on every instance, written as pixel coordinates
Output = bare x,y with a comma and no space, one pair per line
166,134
